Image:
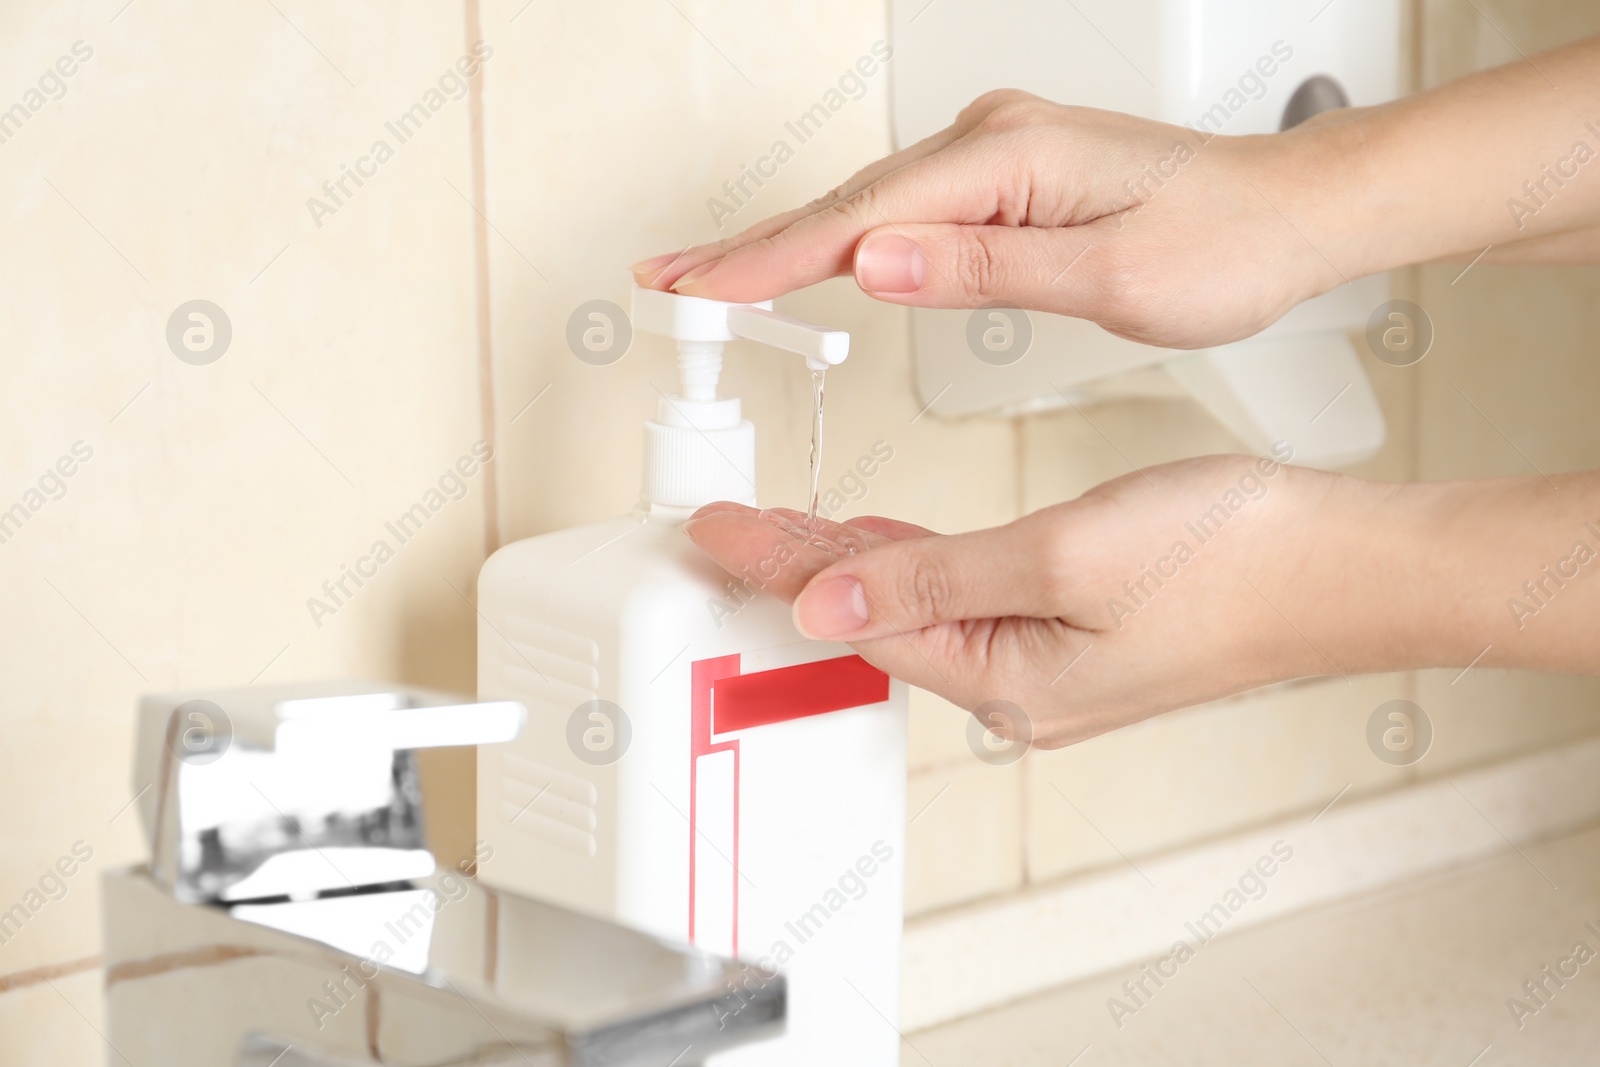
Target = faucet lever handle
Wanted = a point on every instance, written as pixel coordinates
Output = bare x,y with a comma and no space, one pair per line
389,720
296,789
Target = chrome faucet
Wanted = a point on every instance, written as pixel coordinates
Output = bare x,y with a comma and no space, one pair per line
291,914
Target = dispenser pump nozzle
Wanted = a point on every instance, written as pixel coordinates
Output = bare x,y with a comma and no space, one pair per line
701,327
699,449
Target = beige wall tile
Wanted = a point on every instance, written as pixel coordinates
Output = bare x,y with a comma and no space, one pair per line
1489,715
936,732
1457,39
964,834
1508,389
55,1022
1203,773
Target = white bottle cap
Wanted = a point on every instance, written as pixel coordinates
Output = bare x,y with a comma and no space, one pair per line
691,466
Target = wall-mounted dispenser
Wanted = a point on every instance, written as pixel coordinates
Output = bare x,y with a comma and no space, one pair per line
1189,62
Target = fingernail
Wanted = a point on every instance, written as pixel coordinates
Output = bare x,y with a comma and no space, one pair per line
688,525
889,264
704,268
830,609
654,263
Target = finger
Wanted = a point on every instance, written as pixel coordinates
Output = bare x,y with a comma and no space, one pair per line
646,271
841,535
664,271
958,184
901,586
768,554
796,523
724,505
893,529
827,529
967,662
960,266
1011,665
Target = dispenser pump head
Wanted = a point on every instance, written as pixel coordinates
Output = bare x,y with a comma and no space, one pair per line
700,321
699,449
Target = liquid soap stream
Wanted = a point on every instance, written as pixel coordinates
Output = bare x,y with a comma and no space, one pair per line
816,451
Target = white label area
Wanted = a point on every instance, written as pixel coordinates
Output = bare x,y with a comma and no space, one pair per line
714,875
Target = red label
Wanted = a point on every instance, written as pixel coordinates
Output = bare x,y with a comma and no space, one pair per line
741,701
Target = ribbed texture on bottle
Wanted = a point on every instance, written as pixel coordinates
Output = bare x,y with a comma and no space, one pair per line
689,468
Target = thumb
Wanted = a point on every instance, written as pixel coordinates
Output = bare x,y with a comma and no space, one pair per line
960,266
902,586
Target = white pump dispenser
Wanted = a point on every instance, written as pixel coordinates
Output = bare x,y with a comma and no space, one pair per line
692,766
699,448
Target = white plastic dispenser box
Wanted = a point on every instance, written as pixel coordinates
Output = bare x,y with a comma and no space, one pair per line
692,766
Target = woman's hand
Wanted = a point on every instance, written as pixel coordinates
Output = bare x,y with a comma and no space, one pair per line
1161,589
1163,235
1150,230
1189,581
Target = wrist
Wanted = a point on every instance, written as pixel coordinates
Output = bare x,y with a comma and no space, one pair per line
1366,579
1452,171
1391,576
1509,581
1414,575
1342,193
1320,200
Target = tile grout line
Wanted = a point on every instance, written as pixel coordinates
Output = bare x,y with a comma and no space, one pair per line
44,972
480,264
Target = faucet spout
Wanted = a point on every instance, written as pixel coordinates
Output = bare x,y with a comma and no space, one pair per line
439,973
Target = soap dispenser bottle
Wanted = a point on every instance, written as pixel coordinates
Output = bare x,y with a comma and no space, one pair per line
692,766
